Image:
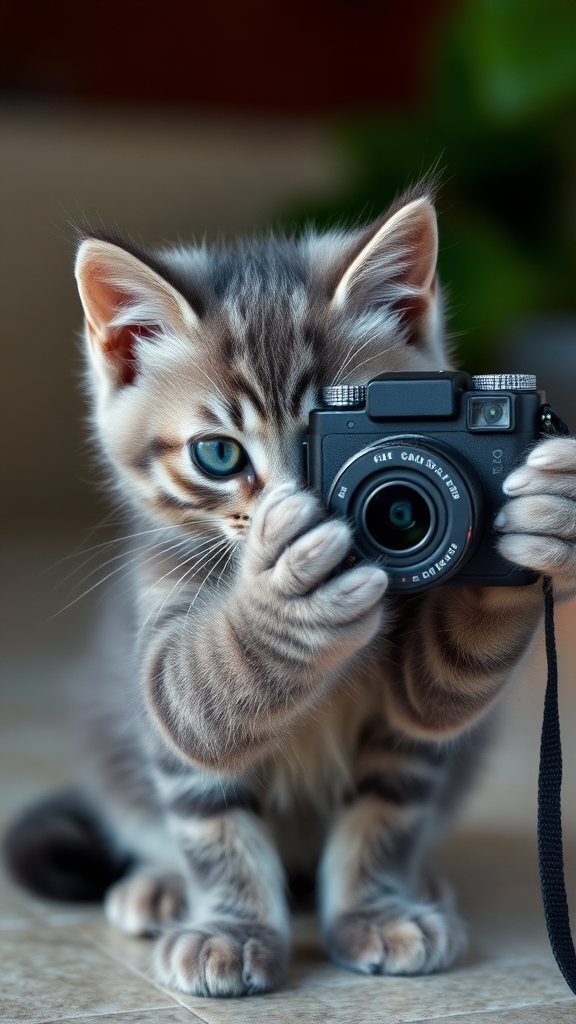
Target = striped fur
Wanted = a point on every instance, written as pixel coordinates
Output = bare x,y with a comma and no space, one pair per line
253,716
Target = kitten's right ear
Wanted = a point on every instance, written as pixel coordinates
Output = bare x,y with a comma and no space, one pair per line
395,267
125,300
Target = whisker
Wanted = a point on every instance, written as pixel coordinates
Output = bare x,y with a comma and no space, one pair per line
196,566
351,352
204,581
93,587
99,583
212,382
358,365
157,551
109,561
351,355
129,536
235,545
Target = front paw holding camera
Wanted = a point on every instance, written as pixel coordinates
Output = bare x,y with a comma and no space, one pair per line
288,600
538,522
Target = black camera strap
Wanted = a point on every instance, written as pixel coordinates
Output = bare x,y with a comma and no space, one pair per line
550,851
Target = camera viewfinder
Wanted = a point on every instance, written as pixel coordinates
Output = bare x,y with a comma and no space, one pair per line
489,413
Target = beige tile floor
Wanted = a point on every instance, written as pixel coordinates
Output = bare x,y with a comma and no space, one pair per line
59,962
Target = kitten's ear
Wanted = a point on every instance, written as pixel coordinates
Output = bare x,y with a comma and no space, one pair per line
124,300
394,264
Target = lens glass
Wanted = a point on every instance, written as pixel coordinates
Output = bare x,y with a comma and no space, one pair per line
397,517
493,412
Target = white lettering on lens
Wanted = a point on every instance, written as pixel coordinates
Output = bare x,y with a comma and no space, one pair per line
439,566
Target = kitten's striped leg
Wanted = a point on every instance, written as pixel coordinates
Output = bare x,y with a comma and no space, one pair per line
235,940
225,683
377,915
454,654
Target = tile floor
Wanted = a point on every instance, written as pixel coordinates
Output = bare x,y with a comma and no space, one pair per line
60,963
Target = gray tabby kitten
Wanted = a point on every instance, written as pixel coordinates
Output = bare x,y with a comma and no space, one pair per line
255,716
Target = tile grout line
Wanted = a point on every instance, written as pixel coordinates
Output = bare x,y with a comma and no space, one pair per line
197,1015
94,1016
140,974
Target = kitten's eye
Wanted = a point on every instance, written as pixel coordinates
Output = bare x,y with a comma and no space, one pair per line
219,456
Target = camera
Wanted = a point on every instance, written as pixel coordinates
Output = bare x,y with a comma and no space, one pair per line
415,462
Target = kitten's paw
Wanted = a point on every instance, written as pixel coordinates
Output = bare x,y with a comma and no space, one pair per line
286,600
538,523
311,559
419,941
221,959
144,903
283,515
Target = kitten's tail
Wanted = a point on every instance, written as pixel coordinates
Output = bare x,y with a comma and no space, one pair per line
60,848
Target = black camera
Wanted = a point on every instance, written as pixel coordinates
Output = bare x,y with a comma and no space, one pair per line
416,461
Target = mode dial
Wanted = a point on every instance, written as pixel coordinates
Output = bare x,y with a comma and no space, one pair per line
342,395
504,382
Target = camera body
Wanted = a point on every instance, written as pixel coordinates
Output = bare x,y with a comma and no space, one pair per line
416,461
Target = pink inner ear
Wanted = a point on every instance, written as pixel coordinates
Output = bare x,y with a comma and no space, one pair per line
421,243
119,347
417,237
103,300
414,310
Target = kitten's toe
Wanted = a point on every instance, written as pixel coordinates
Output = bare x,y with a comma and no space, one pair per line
374,943
311,558
200,964
283,515
352,595
143,903
264,964
541,514
548,555
221,961
557,455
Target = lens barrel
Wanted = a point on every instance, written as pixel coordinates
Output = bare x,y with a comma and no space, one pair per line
414,503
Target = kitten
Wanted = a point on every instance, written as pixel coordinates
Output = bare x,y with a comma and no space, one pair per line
253,717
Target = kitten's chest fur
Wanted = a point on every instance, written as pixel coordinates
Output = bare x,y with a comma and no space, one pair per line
314,764
311,774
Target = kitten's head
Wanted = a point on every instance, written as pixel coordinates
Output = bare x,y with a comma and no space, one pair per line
205,362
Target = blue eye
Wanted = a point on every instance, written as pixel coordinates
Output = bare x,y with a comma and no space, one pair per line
219,457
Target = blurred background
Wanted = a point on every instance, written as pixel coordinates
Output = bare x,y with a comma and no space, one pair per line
192,121
207,120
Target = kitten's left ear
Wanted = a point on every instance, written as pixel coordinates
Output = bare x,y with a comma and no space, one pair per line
396,267
125,300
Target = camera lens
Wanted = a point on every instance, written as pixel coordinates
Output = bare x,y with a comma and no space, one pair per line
414,502
397,517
